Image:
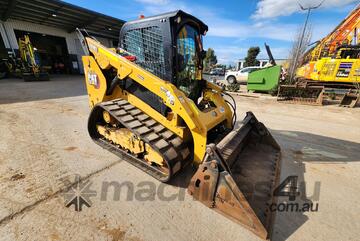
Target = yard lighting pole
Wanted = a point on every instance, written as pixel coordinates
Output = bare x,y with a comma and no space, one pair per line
308,9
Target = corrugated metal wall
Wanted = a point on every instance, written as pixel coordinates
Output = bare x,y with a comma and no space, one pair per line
72,41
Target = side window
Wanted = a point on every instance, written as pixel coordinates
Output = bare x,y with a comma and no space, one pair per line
147,45
187,60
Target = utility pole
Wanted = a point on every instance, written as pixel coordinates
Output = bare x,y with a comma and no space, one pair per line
308,9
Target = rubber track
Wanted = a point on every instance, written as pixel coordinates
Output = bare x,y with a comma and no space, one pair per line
174,151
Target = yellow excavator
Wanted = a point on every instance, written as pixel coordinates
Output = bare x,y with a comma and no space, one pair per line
331,68
151,106
30,67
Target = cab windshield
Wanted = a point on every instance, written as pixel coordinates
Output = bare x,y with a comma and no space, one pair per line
188,47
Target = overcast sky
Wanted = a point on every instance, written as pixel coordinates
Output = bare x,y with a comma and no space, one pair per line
236,25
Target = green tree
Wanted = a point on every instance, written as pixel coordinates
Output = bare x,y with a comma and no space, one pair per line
230,66
250,59
210,59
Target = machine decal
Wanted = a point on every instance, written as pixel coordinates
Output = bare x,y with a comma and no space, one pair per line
344,70
140,77
93,48
170,97
93,79
357,72
181,99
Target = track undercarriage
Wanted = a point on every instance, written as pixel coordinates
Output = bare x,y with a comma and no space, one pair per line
126,130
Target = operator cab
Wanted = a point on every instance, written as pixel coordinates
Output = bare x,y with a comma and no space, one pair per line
348,52
169,46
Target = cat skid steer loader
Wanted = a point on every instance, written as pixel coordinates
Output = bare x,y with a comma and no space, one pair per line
151,106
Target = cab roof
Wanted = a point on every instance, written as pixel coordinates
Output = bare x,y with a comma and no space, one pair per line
171,15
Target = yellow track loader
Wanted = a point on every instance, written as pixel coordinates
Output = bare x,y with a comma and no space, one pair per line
151,106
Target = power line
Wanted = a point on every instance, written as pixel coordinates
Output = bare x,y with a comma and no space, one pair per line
308,9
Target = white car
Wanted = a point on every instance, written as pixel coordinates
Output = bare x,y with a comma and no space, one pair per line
239,76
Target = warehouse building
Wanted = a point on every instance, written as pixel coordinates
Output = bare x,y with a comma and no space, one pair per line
51,26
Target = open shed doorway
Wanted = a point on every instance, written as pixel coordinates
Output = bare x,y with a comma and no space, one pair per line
52,51
3,51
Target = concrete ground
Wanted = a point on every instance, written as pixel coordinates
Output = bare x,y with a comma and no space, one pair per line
44,144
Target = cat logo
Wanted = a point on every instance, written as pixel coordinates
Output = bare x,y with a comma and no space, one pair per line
93,79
